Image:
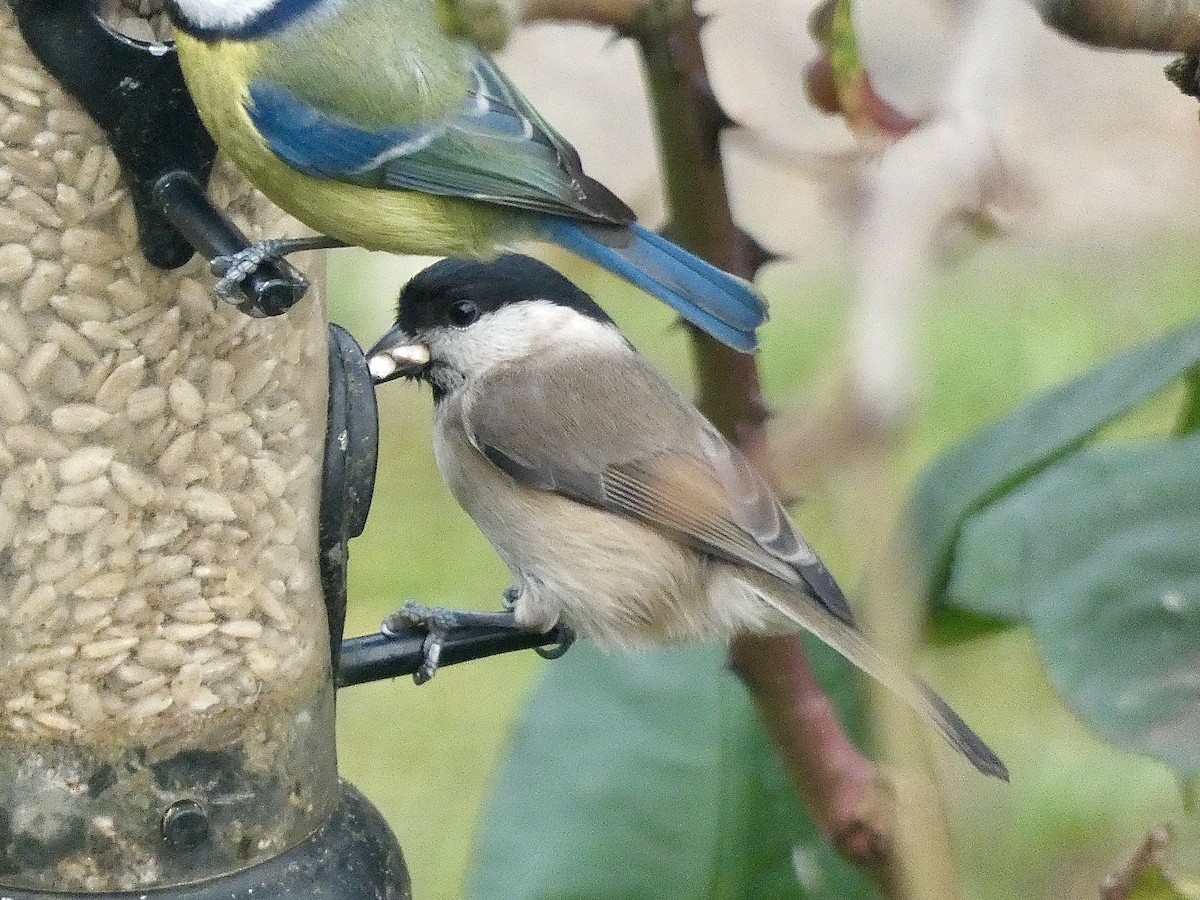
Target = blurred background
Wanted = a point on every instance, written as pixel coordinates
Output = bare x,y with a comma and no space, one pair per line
1093,198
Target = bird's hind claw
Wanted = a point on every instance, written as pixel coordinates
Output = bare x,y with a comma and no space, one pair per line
566,637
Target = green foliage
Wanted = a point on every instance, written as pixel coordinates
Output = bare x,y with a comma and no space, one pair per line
1032,437
1099,555
1153,883
1094,548
648,776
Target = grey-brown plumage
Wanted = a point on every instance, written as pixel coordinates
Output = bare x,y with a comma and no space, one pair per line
618,507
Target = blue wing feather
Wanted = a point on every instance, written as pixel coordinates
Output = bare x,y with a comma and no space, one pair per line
323,146
496,149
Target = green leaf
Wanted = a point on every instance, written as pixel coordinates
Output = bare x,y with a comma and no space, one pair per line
954,625
1102,551
648,776
1189,413
1152,883
1035,435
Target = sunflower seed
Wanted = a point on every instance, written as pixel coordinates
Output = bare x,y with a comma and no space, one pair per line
79,418
15,405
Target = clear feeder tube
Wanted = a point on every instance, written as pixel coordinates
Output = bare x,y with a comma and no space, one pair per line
166,705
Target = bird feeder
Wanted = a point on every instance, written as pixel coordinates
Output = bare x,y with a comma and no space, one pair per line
166,689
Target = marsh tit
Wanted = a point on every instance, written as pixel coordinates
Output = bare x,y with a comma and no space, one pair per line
373,125
619,509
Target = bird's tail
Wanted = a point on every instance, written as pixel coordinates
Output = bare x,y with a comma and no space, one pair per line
848,641
726,307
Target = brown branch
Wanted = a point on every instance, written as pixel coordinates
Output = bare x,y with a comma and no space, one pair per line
850,803
1152,853
841,788
689,126
619,14
1126,24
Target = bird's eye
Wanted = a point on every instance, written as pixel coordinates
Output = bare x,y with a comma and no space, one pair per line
463,313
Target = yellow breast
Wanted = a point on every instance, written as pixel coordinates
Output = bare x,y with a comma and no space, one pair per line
218,75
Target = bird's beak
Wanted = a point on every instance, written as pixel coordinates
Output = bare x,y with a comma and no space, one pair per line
397,356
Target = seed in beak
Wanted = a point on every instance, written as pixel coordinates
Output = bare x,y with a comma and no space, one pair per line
404,359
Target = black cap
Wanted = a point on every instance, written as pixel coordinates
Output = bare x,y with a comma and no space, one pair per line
490,285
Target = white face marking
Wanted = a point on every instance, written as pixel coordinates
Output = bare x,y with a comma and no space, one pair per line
519,331
221,15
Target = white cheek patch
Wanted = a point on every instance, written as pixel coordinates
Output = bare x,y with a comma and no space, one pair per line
222,14
521,330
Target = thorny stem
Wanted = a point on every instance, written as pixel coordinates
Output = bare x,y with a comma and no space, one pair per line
850,805
1126,24
689,125
848,799
1152,853
614,13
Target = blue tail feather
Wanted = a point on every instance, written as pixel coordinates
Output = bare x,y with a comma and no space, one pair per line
726,307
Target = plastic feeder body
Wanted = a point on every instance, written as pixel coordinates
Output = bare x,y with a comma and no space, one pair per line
166,703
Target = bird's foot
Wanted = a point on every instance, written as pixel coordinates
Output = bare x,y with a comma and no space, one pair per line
236,267
437,623
566,634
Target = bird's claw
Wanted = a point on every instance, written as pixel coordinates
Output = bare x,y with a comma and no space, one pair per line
510,598
432,648
235,268
436,621
566,637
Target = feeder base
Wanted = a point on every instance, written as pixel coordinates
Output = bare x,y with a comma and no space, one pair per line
353,856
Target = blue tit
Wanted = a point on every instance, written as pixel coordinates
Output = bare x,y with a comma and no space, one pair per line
373,125
620,510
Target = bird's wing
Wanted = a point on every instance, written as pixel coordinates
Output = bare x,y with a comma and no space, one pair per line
639,449
496,148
